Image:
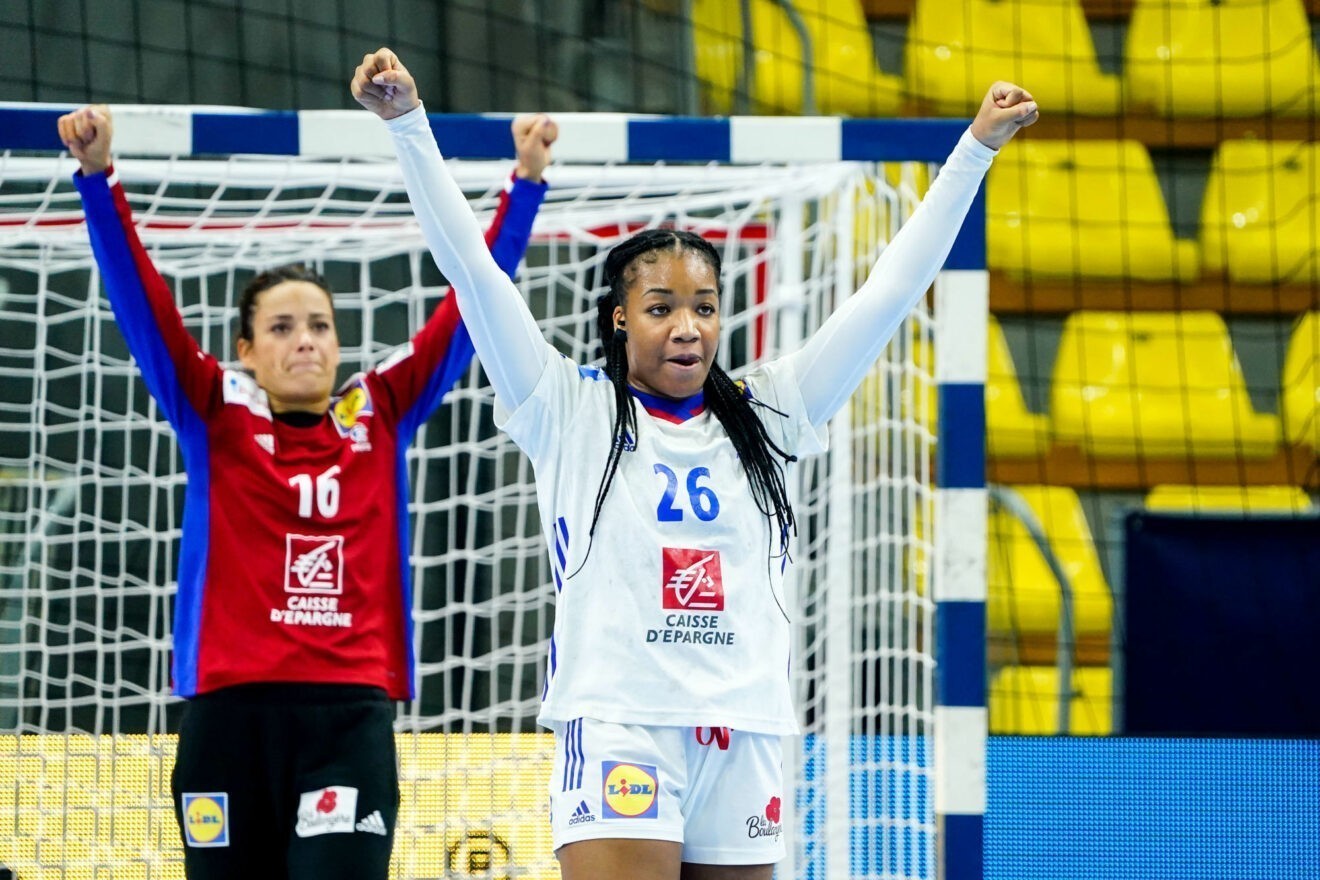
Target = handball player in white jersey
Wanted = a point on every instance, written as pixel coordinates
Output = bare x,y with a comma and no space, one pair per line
662,487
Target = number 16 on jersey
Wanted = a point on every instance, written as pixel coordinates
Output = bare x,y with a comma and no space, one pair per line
326,493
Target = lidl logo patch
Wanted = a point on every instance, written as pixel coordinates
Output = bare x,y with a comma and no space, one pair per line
629,790
206,818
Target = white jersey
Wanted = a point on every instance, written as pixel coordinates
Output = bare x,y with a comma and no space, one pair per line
673,619
675,616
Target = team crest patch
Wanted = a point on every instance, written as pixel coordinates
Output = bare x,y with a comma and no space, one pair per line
629,790
691,580
351,408
314,564
329,810
205,818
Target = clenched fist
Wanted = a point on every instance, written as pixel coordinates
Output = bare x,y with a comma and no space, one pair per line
1006,109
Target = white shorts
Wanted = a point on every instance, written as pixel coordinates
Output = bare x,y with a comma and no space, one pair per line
716,791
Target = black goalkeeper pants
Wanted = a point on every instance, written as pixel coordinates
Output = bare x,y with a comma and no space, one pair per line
287,782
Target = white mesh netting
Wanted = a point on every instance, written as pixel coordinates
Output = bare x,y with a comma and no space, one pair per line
91,491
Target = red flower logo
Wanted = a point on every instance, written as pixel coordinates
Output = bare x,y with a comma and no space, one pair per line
772,810
327,802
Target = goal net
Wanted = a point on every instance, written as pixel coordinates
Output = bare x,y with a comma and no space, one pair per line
91,487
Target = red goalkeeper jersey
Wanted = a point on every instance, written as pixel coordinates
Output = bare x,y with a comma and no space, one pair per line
294,559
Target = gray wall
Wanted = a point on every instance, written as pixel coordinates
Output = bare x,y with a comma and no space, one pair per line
468,55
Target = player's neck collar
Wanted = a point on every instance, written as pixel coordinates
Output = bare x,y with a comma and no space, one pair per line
675,411
299,418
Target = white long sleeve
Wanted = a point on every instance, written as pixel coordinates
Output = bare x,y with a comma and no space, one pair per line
510,345
832,363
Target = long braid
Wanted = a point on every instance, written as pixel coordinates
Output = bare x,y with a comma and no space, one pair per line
625,413
614,345
728,400
760,456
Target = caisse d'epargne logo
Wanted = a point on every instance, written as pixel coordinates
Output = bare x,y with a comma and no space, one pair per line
691,580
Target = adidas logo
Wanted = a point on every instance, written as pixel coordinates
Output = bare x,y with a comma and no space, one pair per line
581,813
373,824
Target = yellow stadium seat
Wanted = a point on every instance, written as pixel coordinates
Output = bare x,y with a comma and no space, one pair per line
1155,384
1260,216
846,78
1221,58
717,52
1023,593
1301,383
1024,700
1088,209
1011,428
1228,499
955,50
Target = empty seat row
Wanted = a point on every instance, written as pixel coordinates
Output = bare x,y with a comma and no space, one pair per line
1181,58
1094,209
1169,384
845,78
1134,385
1195,58
1155,384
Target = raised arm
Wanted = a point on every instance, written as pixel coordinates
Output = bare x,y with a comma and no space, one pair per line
509,234
181,377
832,363
418,376
504,333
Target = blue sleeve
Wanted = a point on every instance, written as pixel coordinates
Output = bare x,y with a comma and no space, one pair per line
511,231
180,376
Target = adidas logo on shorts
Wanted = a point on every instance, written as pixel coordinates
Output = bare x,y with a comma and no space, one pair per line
581,813
373,824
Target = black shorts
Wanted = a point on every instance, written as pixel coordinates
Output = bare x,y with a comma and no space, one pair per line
287,781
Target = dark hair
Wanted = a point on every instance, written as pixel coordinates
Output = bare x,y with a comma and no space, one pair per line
729,401
247,300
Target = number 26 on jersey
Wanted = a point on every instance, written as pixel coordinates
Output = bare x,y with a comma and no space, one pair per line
701,500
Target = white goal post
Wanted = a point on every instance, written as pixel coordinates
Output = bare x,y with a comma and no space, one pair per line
888,611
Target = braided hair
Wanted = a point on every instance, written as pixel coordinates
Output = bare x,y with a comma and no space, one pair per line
729,401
